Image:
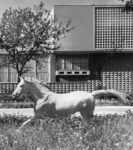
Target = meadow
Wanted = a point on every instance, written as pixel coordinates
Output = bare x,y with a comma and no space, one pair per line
108,132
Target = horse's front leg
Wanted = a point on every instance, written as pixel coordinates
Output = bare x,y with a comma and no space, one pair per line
32,119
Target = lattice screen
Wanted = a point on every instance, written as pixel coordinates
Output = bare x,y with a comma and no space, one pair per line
121,81
113,28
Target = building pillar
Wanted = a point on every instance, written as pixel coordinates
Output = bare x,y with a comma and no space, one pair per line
52,68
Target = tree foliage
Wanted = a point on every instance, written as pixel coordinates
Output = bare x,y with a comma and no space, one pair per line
27,34
128,6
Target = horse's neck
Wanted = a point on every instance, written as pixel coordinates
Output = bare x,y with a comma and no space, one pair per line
40,93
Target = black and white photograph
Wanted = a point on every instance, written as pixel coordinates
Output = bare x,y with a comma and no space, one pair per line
66,75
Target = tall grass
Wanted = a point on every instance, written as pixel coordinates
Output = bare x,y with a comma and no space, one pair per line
109,132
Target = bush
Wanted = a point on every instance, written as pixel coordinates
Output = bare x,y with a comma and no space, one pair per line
109,132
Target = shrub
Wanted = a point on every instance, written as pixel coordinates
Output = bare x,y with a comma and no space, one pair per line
101,133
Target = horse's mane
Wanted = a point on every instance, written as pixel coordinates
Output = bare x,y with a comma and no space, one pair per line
37,81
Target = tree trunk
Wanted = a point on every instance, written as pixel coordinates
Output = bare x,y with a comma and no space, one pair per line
19,75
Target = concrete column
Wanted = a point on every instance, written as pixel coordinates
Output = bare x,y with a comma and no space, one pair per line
52,68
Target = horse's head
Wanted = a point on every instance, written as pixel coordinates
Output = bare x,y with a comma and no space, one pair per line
21,89
30,86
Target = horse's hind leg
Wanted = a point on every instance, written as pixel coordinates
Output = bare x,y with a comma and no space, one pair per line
87,116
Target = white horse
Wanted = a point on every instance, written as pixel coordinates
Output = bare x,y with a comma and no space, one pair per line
53,104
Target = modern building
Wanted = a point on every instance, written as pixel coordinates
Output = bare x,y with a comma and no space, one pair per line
103,36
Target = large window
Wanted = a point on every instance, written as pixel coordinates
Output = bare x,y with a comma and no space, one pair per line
70,63
7,72
38,70
113,28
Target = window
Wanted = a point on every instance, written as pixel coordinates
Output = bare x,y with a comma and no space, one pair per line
42,69
33,69
70,63
7,72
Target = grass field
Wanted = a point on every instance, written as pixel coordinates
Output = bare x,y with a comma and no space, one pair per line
109,132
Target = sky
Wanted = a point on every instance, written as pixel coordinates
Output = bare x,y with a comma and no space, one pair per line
5,4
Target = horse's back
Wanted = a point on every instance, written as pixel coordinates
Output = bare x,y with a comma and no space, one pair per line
73,99
80,95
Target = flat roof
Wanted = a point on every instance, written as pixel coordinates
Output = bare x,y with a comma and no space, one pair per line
112,5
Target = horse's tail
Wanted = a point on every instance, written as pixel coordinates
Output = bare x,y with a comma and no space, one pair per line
122,97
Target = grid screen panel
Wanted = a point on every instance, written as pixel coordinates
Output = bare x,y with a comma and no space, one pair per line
113,28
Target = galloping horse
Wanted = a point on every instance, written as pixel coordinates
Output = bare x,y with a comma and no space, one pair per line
53,104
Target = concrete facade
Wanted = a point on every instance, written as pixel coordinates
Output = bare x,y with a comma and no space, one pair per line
99,31
82,17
